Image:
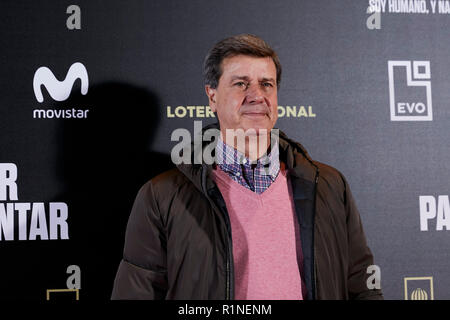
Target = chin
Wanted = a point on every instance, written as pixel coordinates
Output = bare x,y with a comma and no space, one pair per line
259,128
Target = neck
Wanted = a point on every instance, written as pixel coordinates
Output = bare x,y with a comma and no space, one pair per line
253,146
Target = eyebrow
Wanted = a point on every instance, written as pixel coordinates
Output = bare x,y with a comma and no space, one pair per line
239,78
268,80
233,78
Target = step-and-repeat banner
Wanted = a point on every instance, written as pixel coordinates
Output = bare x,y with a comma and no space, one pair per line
92,90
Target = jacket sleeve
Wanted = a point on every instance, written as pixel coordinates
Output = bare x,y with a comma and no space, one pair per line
360,255
142,273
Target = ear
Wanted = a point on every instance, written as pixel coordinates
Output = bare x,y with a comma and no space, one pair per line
211,93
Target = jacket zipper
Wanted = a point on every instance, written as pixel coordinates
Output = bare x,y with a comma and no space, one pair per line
229,252
227,222
227,293
313,247
229,257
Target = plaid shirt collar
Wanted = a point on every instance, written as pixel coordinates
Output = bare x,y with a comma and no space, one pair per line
256,176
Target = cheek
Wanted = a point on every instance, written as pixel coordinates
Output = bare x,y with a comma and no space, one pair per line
229,104
232,105
274,104
226,110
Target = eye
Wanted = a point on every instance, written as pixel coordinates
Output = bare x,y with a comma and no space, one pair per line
241,84
267,84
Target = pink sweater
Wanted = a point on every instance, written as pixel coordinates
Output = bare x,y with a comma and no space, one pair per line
264,229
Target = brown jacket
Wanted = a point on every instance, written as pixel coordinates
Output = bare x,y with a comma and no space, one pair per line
178,241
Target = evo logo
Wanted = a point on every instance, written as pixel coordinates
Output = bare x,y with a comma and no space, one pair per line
59,90
407,102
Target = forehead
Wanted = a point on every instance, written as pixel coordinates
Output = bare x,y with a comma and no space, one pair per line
243,65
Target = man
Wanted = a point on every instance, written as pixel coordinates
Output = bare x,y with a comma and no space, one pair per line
263,222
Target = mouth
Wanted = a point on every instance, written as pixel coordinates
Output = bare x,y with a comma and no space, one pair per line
255,114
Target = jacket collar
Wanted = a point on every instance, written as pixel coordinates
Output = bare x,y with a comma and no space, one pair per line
293,154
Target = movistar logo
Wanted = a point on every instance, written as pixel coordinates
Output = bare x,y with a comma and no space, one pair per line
59,90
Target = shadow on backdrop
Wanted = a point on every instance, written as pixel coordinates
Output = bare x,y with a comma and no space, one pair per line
104,161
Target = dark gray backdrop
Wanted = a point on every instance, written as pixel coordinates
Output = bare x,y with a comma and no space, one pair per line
142,56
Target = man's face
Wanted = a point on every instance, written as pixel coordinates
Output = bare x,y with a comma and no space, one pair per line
246,96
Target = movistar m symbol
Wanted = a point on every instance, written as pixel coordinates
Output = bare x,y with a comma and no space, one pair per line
60,90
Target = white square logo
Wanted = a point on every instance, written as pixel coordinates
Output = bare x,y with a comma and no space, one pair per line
410,100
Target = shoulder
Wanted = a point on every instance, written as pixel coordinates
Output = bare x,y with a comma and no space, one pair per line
328,171
164,184
162,192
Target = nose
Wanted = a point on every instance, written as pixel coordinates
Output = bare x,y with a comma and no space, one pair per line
255,94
